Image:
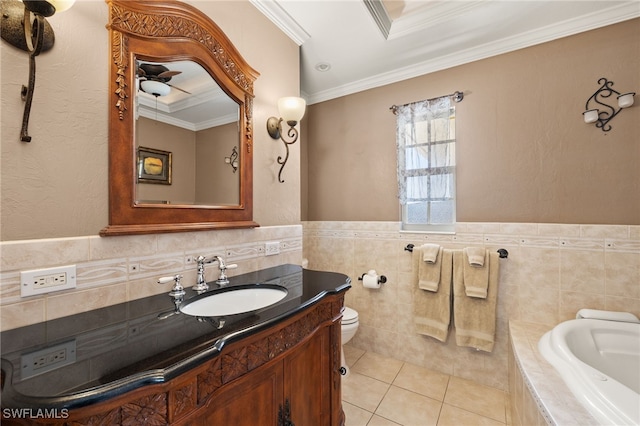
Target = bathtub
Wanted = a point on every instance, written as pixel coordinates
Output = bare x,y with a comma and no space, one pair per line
600,362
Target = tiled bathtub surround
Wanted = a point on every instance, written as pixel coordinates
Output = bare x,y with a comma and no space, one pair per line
552,271
118,269
538,395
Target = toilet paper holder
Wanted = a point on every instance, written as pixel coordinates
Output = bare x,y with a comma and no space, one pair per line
381,278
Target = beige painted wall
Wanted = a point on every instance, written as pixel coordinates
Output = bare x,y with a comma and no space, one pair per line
56,186
182,145
523,152
216,179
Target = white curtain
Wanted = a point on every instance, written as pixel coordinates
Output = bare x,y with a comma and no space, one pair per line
425,138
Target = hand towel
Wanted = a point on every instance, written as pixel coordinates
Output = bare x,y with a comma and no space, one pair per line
476,255
430,252
432,310
429,272
476,278
475,319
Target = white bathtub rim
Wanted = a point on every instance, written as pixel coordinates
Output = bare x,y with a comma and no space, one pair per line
596,402
554,400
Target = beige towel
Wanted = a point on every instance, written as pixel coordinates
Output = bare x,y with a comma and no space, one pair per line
430,252
432,311
429,272
476,278
475,319
476,255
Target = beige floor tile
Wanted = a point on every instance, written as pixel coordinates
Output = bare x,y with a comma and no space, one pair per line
479,399
355,416
351,354
409,408
380,421
423,381
378,366
454,416
363,391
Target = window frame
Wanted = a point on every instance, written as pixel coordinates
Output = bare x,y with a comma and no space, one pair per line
429,171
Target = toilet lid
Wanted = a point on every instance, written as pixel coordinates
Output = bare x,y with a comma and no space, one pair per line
349,316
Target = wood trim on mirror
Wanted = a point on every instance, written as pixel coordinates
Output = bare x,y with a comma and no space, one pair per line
169,30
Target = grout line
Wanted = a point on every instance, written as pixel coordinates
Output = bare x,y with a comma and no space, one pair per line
442,403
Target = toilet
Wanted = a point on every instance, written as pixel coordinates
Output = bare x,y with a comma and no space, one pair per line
349,327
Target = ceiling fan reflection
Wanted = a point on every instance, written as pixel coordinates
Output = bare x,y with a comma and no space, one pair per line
154,79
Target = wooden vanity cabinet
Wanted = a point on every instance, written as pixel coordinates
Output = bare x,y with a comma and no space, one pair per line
295,389
287,374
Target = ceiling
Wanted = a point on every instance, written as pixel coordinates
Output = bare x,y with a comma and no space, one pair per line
362,44
195,102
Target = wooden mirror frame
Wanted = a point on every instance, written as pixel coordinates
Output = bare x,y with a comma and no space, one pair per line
161,31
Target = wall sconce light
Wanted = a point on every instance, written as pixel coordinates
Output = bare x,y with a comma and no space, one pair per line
291,111
232,160
603,114
25,27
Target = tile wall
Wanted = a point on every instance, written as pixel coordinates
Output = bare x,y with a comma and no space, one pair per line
552,271
118,269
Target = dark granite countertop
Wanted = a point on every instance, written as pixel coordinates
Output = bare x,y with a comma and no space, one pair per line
105,352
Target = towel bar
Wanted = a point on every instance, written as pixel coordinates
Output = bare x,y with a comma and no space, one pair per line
503,253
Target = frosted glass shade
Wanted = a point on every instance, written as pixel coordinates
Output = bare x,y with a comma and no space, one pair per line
62,5
590,116
625,100
155,88
291,109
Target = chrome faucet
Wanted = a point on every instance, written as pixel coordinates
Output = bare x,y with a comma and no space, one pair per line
177,294
201,282
223,279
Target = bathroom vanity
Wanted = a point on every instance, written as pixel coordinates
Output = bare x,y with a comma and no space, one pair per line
142,363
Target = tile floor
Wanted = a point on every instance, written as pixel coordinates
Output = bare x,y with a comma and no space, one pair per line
382,391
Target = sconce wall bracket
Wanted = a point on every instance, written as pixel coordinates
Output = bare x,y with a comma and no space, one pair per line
232,160
33,37
274,128
601,103
12,27
291,112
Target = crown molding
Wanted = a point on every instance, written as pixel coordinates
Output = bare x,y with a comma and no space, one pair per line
282,20
429,17
612,15
380,17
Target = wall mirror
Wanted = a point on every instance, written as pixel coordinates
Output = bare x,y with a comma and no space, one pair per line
180,122
196,123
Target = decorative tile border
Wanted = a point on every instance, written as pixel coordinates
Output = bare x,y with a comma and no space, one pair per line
544,235
105,264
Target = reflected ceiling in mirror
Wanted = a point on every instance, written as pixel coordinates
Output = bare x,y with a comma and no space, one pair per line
181,110
195,101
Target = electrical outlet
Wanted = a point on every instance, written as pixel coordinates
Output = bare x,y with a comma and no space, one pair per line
40,281
48,359
271,248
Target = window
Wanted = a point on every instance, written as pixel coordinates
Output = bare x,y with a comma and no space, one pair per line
426,164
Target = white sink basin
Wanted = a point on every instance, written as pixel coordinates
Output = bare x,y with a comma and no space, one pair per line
234,300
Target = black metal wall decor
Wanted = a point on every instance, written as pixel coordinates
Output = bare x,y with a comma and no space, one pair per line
24,26
601,109
232,160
